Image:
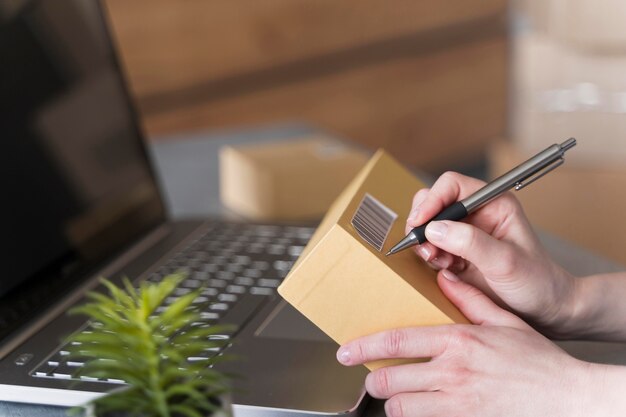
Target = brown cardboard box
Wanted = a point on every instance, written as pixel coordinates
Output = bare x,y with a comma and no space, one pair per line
349,288
581,204
287,180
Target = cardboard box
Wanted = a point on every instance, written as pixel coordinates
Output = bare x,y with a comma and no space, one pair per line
581,204
561,92
288,180
597,24
587,24
349,288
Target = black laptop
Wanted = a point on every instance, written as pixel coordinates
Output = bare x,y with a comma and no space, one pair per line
80,201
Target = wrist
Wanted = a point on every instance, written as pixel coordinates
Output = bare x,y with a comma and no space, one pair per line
602,390
563,306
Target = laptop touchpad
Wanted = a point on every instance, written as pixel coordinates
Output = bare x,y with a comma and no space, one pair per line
285,322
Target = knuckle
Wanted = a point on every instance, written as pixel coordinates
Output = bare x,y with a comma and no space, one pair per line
449,176
458,375
394,407
420,196
395,342
445,183
361,353
462,339
378,383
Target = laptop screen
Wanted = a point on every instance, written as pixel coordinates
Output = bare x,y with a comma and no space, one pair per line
75,180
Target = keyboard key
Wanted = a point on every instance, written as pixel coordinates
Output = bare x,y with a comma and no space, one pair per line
217,283
295,250
181,291
45,370
261,291
226,275
191,283
200,299
209,292
273,283
235,289
282,265
260,265
209,315
229,298
252,273
276,249
244,281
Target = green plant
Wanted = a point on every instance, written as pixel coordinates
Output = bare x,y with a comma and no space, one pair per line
127,339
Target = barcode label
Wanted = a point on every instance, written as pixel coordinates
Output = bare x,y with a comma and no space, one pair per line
373,221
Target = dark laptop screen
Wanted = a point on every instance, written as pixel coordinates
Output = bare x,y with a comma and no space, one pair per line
75,181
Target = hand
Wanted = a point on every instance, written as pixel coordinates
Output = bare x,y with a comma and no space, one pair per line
495,250
502,367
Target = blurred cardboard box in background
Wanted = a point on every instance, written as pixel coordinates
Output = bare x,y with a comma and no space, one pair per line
291,180
569,80
586,24
560,92
582,204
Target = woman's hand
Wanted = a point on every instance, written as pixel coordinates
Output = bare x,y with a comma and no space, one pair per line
496,250
500,367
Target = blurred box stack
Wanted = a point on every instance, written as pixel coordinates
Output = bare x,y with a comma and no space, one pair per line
425,79
569,79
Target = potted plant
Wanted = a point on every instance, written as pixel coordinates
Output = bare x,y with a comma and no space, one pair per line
128,339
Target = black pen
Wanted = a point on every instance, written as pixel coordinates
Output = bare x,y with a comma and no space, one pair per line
537,166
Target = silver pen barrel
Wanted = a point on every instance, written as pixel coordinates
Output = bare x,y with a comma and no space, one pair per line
536,164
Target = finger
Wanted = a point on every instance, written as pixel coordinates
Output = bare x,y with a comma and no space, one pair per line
449,188
418,198
443,261
474,304
490,255
420,404
409,342
426,251
416,377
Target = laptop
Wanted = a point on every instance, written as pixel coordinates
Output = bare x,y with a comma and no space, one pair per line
80,201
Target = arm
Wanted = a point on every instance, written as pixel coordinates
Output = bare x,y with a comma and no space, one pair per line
597,309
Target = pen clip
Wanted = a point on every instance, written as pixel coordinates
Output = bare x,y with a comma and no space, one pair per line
554,165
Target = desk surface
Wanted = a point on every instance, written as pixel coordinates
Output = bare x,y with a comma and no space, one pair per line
187,168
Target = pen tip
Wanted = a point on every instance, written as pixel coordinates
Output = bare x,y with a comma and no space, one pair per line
388,253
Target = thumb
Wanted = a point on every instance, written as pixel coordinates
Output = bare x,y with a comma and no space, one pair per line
474,304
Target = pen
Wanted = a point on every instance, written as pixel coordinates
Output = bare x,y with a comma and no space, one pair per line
522,175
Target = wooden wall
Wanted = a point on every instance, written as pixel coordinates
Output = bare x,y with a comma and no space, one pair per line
425,79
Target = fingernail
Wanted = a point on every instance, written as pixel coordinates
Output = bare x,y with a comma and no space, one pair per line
343,355
436,231
437,263
450,276
424,252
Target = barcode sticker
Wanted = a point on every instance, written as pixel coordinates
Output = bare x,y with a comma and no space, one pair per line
373,221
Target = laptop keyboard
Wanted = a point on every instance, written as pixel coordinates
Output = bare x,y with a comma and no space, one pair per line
237,265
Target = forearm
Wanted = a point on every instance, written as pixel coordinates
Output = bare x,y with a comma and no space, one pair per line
596,310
